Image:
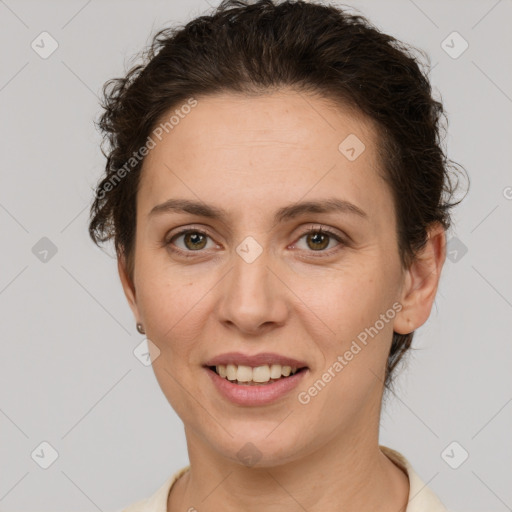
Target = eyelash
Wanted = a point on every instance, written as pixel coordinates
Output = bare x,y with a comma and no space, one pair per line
190,254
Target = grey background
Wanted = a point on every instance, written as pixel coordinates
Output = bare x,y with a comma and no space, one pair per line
68,373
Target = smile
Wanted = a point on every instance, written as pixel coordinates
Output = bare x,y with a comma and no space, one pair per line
247,375
248,392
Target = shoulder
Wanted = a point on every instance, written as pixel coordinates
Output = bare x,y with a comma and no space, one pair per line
158,501
421,498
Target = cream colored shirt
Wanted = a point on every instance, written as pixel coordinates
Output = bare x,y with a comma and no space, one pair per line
421,498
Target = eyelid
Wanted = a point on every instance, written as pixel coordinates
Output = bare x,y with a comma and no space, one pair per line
168,238
324,229
331,232
340,237
184,230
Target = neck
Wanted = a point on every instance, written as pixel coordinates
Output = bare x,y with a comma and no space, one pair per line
349,474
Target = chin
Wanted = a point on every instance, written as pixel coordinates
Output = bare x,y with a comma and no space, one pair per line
257,448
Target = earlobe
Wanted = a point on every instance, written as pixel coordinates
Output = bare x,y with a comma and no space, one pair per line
421,282
128,286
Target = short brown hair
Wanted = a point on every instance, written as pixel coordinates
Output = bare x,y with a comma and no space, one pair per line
252,47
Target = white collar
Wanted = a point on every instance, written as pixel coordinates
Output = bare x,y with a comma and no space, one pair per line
421,498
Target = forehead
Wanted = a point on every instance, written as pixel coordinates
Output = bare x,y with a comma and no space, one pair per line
250,151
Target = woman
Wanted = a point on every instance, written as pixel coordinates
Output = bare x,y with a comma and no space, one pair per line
278,198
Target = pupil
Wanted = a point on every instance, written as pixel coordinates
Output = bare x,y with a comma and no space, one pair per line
194,237
321,235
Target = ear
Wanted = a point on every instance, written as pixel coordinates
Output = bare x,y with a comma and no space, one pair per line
421,281
128,287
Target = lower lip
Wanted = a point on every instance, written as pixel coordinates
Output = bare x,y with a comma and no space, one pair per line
259,394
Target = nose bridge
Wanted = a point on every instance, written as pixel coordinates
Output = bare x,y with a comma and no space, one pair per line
251,292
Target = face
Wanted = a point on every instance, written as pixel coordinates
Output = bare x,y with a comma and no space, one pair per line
252,281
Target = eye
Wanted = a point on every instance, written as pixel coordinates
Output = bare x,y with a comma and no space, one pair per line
194,240
318,239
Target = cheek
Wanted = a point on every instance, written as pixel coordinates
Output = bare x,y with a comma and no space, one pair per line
349,314
174,303
171,303
356,345
345,300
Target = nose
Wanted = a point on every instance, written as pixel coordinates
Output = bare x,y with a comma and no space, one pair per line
253,296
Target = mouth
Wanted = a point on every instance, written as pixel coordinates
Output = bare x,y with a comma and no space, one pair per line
262,375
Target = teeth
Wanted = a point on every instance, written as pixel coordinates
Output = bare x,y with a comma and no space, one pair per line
244,374
261,373
258,374
230,371
275,371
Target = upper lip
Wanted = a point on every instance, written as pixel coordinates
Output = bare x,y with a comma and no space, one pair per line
238,358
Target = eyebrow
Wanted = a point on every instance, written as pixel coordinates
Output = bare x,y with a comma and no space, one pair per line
329,205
